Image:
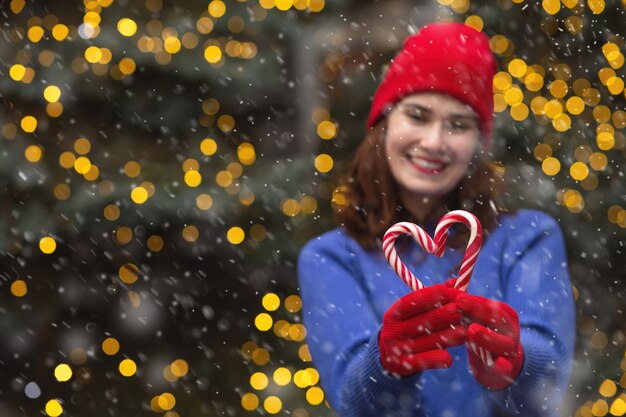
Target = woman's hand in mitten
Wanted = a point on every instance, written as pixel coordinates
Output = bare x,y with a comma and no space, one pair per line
493,340
416,330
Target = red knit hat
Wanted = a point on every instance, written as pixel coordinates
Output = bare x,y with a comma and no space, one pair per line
450,58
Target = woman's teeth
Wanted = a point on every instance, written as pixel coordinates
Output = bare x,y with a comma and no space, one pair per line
423,163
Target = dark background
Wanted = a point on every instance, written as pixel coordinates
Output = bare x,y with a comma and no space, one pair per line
197,300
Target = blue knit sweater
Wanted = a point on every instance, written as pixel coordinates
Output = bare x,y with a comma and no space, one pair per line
346,290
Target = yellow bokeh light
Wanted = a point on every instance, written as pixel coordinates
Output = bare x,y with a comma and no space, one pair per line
272,404
326,130
551,166
553,108
33,153
551,6
54,408
127,66
139,195
129,273
618,407
35,33
127,27
123,234
598,161
302,379
204,202
52,93
260,356
314,395
63,372
519,112
54,109
47,245
308,204
293,303
235,235
190,233
208,146
574,202
258,381
600,408
155,243
304,353
28,124
575,105
19,288
270,301
217,8
224,178
558,88
82,146
502,81
290,207
62,191
608,388
166,401
172,44
533,82
579,171
179,368
513,95
249,401
128,367
93,54
605,141
615,85
561,122
263,322
282,376
246,153
110,346
213,54
82,165
226,123
60,32
284,4
193,178
475,21
517,68
596,6
323,163
17,72
111,212
537,104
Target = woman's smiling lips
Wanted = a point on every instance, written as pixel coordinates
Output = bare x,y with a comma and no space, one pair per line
426,165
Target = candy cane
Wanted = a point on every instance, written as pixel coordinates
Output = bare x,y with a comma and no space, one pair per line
473,245
437,246
421,237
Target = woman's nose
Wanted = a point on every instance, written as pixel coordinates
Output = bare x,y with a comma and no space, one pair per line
433,136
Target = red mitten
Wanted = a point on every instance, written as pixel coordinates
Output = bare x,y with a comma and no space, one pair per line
416,330
493,340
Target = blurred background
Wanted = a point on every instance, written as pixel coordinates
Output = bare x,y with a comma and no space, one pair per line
163,162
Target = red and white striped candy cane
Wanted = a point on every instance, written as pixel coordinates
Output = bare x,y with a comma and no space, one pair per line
420,236
473,246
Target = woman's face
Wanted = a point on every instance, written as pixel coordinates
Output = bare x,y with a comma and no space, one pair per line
430,141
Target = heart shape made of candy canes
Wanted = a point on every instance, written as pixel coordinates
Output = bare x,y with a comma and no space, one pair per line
436,246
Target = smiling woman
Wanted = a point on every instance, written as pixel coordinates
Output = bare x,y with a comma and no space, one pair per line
505,346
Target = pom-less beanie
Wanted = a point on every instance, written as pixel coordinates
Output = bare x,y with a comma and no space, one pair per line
450,58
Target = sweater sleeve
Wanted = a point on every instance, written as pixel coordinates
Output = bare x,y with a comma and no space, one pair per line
342,334
538,287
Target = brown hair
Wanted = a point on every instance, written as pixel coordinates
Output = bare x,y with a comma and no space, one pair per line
372,198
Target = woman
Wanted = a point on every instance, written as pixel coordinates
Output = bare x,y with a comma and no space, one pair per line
502,348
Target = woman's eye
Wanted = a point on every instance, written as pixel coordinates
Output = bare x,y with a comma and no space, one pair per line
416,116
459,126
